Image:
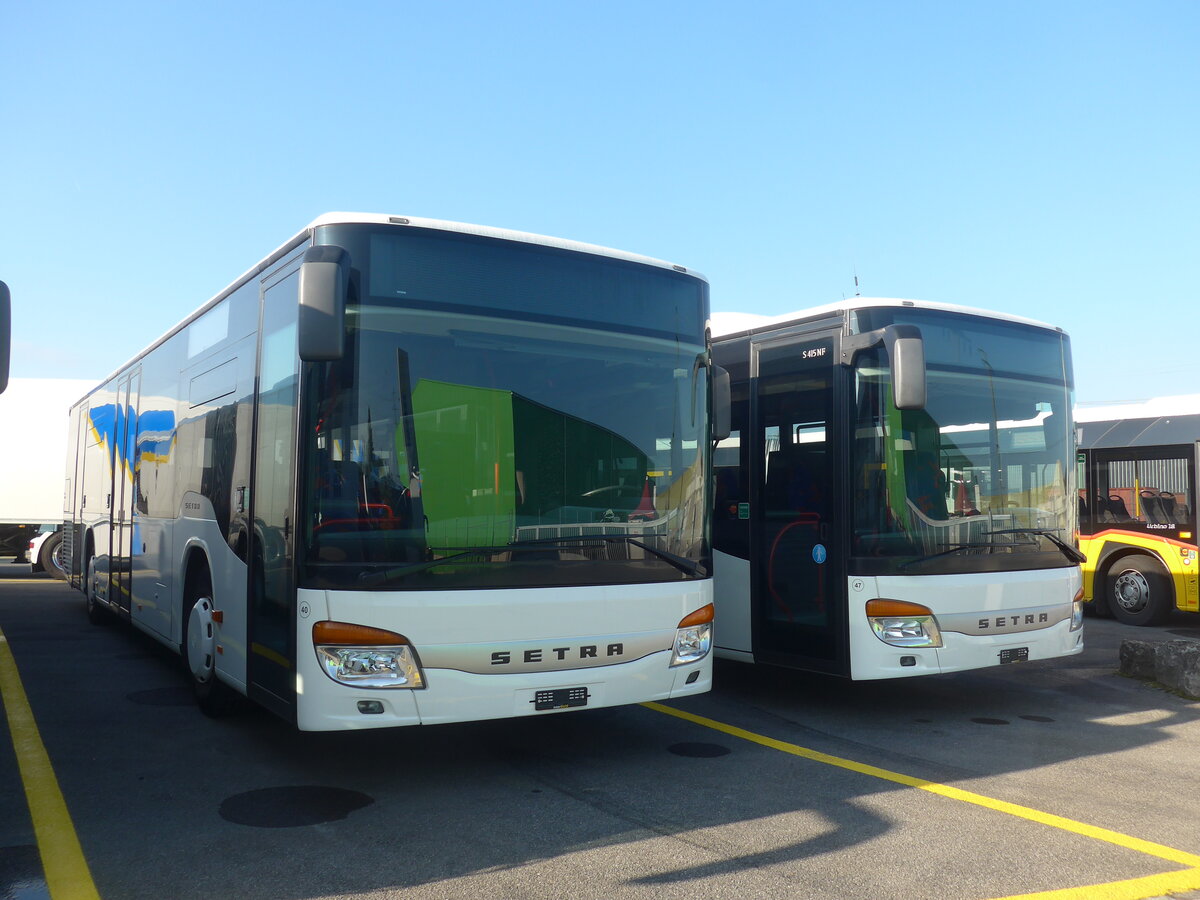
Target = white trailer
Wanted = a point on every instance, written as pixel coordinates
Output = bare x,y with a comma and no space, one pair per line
32,461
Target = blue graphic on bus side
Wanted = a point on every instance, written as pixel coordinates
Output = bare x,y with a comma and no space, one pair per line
149,437
819,553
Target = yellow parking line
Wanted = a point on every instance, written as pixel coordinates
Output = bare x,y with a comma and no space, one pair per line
1121,890
65,868
1133,889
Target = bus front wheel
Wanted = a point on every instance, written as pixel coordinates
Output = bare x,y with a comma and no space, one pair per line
1139,591
213,696
97,613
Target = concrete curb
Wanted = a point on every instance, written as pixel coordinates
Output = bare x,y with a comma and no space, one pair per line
1173,664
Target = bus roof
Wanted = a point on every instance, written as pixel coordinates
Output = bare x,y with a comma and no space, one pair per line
1147,423
350,218
728,324
1152,432
1155,407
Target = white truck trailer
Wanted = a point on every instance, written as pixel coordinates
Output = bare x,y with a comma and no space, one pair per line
33,463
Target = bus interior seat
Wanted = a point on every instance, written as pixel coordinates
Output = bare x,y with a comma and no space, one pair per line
339,490
1116,506
1151,507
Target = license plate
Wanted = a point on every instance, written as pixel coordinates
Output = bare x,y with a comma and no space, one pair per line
560,698
1014,654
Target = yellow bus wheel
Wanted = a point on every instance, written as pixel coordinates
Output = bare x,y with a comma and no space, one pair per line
1139,591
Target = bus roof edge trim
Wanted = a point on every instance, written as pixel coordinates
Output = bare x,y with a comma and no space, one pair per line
729,324
353,218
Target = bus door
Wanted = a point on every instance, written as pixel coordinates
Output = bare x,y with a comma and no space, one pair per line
798,590
121,561
271,591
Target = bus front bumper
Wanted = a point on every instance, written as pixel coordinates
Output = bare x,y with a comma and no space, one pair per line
454,696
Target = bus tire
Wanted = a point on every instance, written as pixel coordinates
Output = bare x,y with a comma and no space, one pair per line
50,557
1139,591
96,612
213,696
1100,605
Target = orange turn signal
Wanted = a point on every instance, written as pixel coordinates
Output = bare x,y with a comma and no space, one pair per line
355,635
877,609
699,617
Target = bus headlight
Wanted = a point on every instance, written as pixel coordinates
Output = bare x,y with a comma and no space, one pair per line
1077,611
903,624
358,656
693,637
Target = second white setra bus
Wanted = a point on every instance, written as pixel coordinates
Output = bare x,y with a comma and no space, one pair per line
896,497
409,471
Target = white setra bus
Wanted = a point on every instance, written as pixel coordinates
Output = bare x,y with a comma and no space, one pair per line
896,497
408,471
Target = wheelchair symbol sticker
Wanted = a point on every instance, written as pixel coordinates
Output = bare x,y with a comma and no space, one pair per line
819,554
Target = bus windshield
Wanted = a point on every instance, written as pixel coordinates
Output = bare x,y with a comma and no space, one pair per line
982,478
497,425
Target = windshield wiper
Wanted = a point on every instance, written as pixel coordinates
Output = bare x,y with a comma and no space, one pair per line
534,544
1067,550
955,549
681,563
373,578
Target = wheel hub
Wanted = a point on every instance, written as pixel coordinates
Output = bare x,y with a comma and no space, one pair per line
1131,590
201,642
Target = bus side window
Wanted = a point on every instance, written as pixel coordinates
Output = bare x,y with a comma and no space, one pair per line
727,472
731,532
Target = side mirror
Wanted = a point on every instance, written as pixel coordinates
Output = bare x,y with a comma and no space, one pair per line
722,404
324,283
907,353
5,334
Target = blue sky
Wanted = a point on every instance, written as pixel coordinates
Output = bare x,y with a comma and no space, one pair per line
1036,158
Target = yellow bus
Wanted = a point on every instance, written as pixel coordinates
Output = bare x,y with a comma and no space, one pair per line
1137,508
